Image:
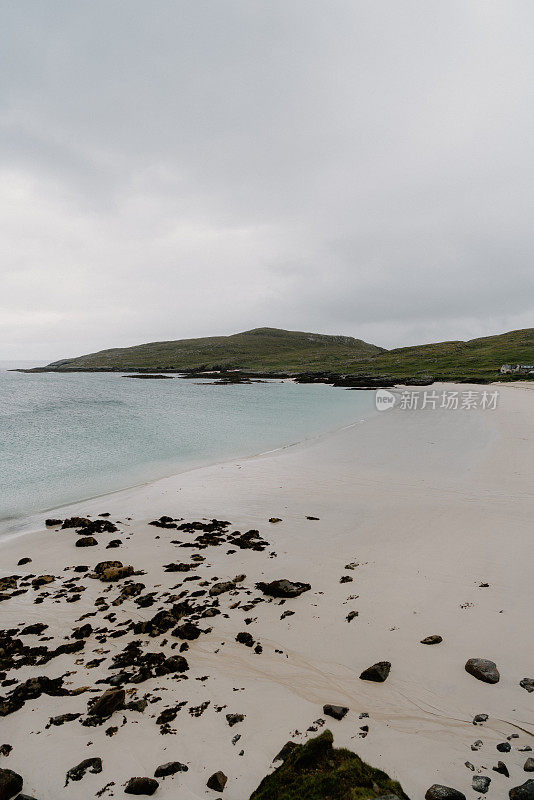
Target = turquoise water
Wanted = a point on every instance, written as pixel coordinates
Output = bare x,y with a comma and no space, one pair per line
69,437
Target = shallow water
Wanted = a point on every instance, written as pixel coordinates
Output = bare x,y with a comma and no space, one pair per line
66,437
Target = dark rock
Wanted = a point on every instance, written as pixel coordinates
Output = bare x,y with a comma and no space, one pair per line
479,718
116,573
434,639
528,684
187,631
351,615
528,766
137,705
99,526
178,567
275,519
51,523
94,765
245,638
170,768
163,522
9,582
86,541
10,783
107,703
523,792
217,781
141,786
23,561
83,631
103,565
481,783
76,522
36,628
61,719
173,664
233,719
502,769
220,588
42,580
338,712
113,543
5,749
483,670
439,792
504,747
283,588
378,672
31,690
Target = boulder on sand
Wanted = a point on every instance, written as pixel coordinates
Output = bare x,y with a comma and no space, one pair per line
78,772
10,784
483,669
523,792
141,786
217,781
283,588
337,712
170,768
378,672
439,792
107,703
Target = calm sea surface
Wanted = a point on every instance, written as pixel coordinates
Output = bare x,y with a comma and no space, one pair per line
69,437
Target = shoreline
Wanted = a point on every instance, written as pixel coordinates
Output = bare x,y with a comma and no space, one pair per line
27,519
402,521
24,520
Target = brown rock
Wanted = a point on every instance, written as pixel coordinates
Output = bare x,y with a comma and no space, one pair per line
378,672
10,784
86,541
483,669
217,781
141,786
107,703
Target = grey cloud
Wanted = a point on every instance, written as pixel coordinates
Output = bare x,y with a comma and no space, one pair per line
190,168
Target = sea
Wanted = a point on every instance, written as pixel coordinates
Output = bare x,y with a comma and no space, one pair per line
68,437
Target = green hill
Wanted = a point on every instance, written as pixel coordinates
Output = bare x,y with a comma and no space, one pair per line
270,350
455,360
262,349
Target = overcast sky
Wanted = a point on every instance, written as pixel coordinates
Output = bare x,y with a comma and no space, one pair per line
173,169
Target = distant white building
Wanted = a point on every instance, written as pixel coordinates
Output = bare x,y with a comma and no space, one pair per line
527,369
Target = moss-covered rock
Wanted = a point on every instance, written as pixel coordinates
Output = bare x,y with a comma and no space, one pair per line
317,771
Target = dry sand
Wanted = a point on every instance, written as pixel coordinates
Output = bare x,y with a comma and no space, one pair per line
429,504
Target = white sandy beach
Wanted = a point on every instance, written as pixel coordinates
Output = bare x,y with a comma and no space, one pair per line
429,504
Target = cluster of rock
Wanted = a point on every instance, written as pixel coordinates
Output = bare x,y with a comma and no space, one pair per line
182,615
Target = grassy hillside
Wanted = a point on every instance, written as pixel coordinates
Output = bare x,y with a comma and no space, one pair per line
264,349
477,357
270,350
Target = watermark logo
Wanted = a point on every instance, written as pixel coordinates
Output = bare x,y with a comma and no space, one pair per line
384,400
431,400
